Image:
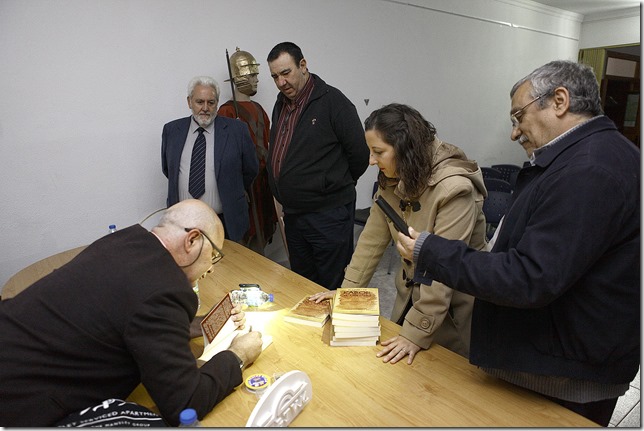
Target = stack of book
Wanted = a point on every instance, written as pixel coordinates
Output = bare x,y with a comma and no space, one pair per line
355,317
307,312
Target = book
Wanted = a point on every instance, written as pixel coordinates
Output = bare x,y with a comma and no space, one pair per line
350,302
349,332
216,319
353,320
347,343
338,340
307,312
219,330
355,317
353,336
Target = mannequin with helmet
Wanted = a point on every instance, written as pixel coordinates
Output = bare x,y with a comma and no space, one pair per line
244,69
263,216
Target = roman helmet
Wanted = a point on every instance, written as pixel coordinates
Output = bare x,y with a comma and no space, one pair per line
243,65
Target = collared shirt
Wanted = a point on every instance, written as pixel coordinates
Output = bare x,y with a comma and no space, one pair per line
291,111
211,196
540,150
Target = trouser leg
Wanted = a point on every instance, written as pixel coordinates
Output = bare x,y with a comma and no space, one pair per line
321,244
597,411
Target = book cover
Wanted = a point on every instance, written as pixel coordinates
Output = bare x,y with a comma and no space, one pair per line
219,330
352,301
216,319
307,312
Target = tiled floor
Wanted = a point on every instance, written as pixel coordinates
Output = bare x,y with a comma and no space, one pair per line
628,410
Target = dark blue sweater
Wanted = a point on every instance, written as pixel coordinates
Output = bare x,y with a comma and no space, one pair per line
560,292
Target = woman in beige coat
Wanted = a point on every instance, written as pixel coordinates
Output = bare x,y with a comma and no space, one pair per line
434,187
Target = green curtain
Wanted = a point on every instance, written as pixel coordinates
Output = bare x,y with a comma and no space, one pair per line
595,58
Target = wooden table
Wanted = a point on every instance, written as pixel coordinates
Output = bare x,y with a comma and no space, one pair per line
353,388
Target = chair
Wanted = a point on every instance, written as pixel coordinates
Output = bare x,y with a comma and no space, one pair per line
34,272
362,214
494,207
280,222
513,179
491,173
506,171
360,219
497,185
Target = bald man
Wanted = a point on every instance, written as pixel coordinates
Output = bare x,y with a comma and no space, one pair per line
115,316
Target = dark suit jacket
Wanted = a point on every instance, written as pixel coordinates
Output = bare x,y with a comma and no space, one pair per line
116,315
236,167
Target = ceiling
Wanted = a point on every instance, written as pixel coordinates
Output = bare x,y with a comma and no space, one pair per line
587,7
590,7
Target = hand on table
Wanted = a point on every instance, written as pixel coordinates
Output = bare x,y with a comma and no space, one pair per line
396,348
321,296
405,245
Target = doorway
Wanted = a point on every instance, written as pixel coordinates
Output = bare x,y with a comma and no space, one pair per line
620,93
618,72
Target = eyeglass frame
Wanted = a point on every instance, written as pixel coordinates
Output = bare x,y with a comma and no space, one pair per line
215,257
513,117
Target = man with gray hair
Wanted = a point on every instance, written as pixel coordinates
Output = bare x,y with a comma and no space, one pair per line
210,158
557,306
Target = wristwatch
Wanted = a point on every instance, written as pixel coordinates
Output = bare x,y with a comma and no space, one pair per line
241,363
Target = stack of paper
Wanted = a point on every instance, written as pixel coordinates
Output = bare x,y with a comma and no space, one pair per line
307,312
355,317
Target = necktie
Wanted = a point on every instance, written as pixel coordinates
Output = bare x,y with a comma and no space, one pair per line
197,178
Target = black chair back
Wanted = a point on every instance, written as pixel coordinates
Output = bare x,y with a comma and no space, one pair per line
494,207
506,171
362,214
497,185
491,173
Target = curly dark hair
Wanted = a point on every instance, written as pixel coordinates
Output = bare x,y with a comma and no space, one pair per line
405,129
286,47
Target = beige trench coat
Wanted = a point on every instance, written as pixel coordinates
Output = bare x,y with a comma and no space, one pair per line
452,207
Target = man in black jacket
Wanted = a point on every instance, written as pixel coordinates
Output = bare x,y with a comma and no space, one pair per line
557,305
117,315
318,151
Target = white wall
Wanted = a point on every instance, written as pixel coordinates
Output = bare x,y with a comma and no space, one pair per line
87,86
609,29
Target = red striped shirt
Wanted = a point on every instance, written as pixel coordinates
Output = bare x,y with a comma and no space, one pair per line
291,111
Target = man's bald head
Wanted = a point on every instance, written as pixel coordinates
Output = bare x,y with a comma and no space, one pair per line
193,213
180,230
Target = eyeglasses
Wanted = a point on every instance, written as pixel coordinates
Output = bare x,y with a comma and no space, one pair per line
216,257
516,116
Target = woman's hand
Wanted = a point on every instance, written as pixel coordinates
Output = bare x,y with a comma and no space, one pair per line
321,296
397,348
239,317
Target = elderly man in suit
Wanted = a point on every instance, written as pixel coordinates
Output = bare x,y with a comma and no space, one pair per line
210,158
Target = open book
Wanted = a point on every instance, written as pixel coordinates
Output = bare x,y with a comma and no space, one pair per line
219,329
